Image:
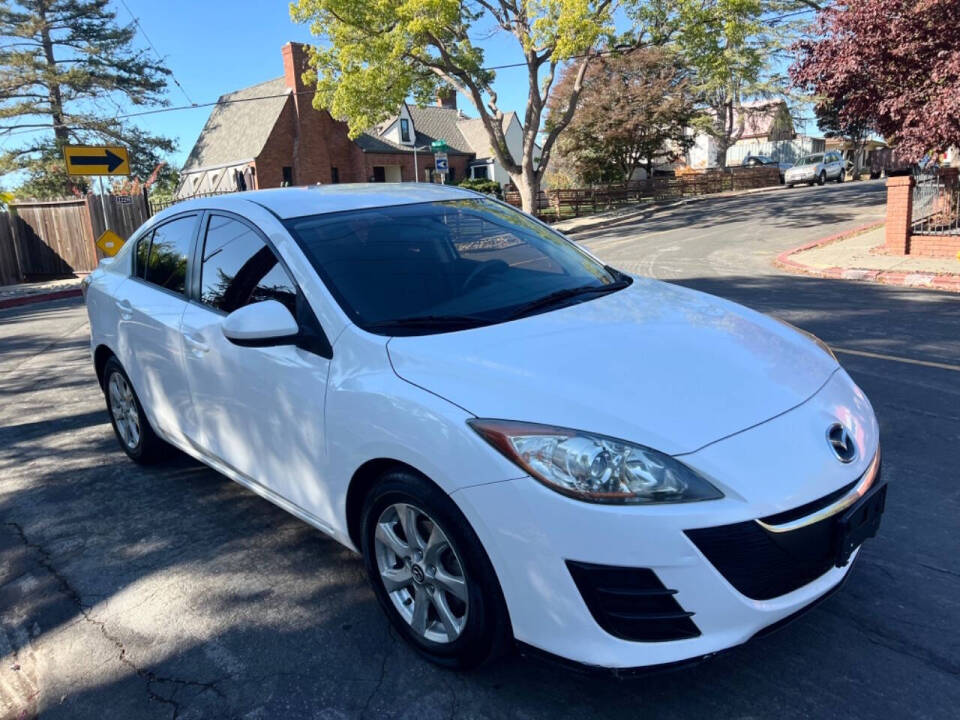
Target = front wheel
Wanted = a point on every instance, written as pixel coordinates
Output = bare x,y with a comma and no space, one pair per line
822,178
430,573
789,185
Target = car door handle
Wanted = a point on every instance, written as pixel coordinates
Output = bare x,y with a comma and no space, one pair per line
196,345
125,309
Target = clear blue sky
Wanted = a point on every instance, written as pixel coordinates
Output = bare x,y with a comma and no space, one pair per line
217,46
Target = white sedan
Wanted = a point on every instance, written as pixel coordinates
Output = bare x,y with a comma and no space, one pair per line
524,444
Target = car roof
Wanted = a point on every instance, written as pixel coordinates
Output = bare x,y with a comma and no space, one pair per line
318,199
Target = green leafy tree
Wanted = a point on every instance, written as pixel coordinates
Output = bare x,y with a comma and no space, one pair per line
377,53
729,46
635,111
62,64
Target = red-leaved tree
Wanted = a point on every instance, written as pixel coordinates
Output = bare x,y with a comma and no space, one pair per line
893,65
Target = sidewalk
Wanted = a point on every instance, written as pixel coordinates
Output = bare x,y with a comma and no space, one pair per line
854,255
13,295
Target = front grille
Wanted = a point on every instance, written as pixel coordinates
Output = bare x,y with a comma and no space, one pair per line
762,564
632,603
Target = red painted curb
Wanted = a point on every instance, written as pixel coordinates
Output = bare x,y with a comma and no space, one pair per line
937,281
39,297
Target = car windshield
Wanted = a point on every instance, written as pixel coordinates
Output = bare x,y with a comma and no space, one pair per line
812,160
441,266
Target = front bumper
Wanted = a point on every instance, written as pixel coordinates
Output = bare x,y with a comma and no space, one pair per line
800,176
532,535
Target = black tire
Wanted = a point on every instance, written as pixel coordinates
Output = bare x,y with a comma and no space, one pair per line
148,448
790,185
486,633
822,178
840,177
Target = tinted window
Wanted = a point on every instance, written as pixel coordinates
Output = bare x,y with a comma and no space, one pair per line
474,259
143,254
239,268
404,129
167,265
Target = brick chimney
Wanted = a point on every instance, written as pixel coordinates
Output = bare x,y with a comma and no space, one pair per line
447,98
294,65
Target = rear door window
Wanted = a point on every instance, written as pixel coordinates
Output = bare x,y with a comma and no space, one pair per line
167,263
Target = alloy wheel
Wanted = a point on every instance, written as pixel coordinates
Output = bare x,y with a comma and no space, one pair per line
123,407
421,572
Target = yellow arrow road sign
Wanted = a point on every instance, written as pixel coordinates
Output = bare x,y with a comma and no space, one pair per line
96,160
110,243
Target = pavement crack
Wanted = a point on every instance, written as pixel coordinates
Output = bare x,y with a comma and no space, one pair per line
148,676
383,673
935,568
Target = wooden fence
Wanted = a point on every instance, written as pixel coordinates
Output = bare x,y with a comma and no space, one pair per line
48,239
576,200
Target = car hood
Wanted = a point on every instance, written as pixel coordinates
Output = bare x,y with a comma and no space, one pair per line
656,364
809,166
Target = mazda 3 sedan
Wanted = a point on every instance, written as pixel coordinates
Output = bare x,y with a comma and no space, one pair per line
525,445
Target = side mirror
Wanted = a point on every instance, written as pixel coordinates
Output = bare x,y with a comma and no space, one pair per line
261,324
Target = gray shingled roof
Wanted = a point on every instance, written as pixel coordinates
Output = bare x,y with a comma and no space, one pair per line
238,130
476,136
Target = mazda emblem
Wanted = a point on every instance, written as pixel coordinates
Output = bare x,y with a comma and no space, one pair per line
841,442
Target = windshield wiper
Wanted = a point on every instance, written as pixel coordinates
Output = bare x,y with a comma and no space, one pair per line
428,321
565,294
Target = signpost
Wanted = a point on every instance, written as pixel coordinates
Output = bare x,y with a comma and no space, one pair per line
440,162
100,160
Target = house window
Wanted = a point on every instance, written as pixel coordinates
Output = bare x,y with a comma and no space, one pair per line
334,175
287,176
480,172
404,130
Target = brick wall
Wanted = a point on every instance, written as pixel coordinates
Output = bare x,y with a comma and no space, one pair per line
899,239
278,150
934,245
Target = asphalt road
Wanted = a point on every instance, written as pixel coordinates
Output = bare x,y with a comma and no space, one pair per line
173,592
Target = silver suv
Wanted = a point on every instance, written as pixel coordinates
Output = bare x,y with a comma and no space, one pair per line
816,168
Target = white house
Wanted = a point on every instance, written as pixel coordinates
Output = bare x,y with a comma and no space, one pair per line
767,130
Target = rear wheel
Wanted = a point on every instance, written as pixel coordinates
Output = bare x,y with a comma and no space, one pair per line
130,424
430,573
840,177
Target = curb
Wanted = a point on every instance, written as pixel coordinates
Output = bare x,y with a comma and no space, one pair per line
39,297
934,281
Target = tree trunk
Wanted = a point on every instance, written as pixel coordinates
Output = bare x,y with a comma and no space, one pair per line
529,187
527,182
56,99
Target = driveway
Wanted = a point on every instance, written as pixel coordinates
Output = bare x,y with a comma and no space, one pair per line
172,592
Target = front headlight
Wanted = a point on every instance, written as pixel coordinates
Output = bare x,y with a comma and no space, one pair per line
595,468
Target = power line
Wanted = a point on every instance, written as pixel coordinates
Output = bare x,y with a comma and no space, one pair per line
136,21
